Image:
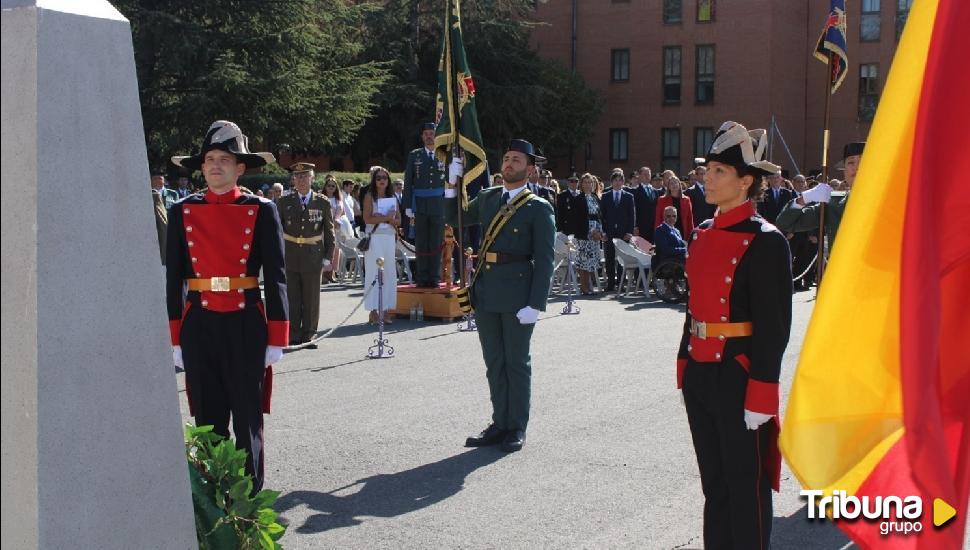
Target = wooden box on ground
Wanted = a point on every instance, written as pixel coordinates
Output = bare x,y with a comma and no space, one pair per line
440,303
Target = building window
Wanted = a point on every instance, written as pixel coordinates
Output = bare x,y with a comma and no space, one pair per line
868,91
619,144
672,11
703,138
621,65
672,74
705,74
670,149
902,13
869,21
705,11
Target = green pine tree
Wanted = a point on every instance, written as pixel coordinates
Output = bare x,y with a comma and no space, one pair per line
286,71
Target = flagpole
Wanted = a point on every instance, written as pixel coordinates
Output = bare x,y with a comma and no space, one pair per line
820,263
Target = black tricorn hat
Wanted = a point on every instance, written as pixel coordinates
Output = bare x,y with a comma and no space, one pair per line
736,146
852,149
523,146
225,136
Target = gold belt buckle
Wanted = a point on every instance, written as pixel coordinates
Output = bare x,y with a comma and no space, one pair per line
301,240
699,328
219,284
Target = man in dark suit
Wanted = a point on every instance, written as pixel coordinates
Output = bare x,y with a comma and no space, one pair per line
564,204
545,190
698,195
668,240
645,204
619,219
776,197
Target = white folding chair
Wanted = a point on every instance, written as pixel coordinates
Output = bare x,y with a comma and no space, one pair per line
351,256
634,262
405,255
559,269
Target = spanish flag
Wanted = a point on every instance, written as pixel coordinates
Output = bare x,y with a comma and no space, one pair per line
880,405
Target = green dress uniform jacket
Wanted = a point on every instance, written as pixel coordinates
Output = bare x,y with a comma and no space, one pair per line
794,220
508,287
502,289
304,262
424,191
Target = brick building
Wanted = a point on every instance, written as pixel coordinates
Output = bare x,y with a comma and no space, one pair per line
671,71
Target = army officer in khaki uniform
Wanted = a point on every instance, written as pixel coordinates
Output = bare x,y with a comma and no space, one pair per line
509,289
308,232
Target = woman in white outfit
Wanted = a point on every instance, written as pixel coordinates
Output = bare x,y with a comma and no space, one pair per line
382,218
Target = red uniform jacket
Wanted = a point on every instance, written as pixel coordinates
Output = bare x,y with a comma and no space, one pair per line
739,270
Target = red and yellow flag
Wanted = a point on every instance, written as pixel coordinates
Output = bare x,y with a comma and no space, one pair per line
880,405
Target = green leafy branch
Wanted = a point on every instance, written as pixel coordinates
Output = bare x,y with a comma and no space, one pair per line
227,514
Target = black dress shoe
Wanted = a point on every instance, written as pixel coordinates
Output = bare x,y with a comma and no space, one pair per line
311,345
514,440
492,435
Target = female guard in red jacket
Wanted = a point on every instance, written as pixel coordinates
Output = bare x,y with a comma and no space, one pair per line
737,328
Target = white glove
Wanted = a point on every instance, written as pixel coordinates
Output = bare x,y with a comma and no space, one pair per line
451,192
753,419
326,263
177,356
408,212
273,355
455,170
820,193
527,315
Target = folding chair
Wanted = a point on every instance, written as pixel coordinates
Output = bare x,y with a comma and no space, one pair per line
634,262
351,256
405,254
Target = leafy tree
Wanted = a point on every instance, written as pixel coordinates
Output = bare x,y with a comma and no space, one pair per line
287,71
518,94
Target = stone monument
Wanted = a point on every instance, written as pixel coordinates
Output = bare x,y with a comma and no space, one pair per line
92,446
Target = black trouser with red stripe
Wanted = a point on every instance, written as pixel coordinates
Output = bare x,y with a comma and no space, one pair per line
737,490
224,355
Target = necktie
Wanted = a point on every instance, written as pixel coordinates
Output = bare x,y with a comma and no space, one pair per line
505,197
616,197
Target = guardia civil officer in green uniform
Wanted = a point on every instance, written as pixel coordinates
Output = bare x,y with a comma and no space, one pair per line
424,188
309,240
802,212
509,288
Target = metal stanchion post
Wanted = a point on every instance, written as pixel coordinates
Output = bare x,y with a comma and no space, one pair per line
467,323
570,280
380,349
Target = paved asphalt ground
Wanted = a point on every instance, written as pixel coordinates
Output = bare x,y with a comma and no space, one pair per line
369,453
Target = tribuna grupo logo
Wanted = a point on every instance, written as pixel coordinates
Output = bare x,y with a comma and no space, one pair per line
896,515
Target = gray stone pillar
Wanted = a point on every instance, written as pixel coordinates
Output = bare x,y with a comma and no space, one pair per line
92,446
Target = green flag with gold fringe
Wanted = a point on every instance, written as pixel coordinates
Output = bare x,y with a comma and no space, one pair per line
455,112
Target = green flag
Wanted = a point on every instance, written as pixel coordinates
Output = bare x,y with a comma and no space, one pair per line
455,112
